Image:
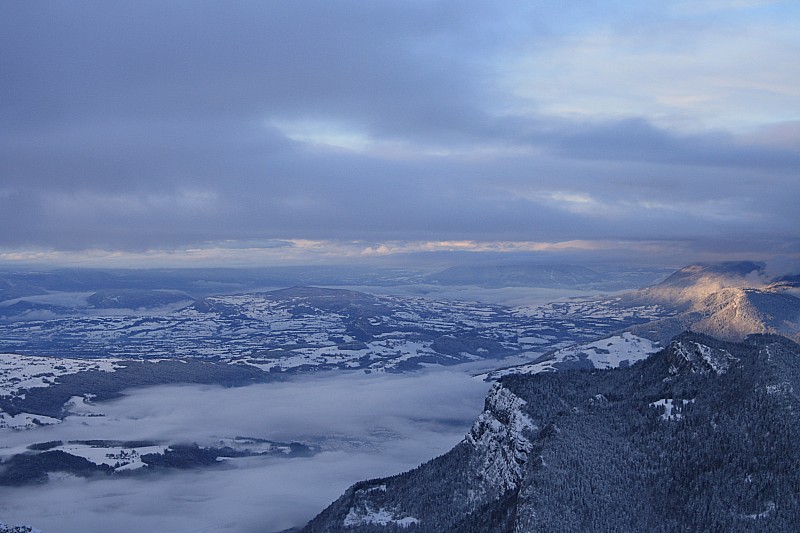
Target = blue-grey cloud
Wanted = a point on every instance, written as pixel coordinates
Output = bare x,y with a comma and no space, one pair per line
130,126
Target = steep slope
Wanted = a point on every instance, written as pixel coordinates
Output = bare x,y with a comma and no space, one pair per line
700,437
728,300
720,300
735,313
732,314
694,282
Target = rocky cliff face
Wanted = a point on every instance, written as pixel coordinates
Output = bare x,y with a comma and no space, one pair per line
485,467
688,355
700,437
500,443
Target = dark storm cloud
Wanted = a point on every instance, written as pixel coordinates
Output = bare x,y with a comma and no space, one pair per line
137,125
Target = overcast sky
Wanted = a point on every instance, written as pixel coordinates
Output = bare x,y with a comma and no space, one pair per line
286,132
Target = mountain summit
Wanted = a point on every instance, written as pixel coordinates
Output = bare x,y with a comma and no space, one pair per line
694,282
726,300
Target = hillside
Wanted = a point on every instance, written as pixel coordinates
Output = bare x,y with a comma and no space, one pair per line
699,437
726,300
694,282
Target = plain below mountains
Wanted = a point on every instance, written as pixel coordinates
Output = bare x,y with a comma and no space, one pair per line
554,276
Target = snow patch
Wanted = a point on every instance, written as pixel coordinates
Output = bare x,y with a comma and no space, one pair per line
701,358
365,515
82,406
783,388
672,408
608,352
117,457
5,528
24,421
612,351
20,372
763,514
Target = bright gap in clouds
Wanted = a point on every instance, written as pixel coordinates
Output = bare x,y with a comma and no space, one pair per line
331,134
368,425
294,252
695,67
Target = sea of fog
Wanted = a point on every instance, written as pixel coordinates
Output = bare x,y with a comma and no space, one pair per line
510,296
367,425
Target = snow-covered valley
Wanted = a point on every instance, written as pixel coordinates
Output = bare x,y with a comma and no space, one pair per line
270,404
363,374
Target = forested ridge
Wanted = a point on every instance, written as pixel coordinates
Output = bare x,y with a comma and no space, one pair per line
699,437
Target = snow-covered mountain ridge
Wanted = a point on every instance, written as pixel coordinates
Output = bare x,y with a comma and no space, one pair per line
726,300
562,450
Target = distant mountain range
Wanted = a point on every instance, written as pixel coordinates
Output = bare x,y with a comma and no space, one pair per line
24,286
519,275
699,437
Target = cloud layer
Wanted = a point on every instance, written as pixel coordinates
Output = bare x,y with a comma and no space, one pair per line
369,426
133,127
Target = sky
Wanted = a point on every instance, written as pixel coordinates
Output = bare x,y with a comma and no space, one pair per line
160,133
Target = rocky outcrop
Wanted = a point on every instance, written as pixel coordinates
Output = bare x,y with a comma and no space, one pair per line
500,441
688,355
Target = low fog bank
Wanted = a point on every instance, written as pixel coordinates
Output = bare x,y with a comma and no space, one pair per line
367,425
510,296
